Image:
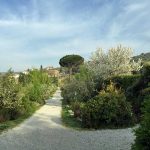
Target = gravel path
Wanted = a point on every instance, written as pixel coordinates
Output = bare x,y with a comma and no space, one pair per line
43,131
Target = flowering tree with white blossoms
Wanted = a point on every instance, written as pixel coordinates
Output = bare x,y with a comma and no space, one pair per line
116,61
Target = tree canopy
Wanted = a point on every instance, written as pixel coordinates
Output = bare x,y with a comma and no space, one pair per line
70,61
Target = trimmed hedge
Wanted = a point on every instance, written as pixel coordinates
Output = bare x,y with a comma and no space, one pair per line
137,92
142,141
124,81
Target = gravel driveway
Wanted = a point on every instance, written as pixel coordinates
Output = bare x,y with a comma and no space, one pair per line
43,131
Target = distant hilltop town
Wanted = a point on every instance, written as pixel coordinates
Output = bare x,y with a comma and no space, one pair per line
52,72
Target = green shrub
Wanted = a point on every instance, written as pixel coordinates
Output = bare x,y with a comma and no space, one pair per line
80,87
38,85
23,79
10,97
146,70
75,89
76,108
39,92
123,81
20,97
145,91
137,92
142,141
109,108
34,93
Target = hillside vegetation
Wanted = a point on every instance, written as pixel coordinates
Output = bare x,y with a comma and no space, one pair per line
144,56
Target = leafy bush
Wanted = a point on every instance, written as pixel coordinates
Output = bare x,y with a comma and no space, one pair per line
38,85
75,90
76,108
39,93
142,83
80,87
24,79
142,141
34,93
10,98
109,108
146,70
20,97
145,91
123,81
135,93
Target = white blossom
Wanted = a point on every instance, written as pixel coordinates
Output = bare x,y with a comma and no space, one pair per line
116,61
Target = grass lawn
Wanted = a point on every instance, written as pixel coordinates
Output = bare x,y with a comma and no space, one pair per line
68,120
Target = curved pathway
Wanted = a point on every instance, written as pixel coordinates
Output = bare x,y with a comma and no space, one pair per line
43,131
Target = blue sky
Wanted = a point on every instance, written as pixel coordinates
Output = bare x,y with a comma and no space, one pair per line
35,32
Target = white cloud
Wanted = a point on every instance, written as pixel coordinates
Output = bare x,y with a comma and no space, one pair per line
45,31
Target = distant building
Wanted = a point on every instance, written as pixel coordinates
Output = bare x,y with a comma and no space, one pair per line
52,72
49,68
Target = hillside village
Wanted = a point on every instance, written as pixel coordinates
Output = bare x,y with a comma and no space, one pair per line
51,71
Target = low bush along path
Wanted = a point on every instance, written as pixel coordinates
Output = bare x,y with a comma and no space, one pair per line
44,131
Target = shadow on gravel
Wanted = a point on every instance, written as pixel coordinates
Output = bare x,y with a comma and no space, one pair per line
49,135
44,131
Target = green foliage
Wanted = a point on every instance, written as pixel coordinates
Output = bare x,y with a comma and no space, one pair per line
19,97
12,123
74,90
145,57
23,79
38,85
36,76
145,91
80,87
137,92
76,108
71,60
146,70
68,119
142,141
123,81
109,108
10,97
